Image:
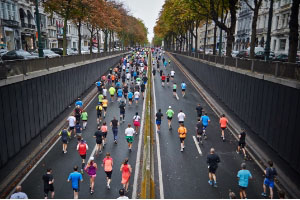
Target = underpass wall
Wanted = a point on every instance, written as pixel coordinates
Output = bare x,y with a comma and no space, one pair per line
270,109
27,107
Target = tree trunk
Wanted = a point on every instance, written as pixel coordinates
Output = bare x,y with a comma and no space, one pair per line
187,42
105,39
65,42
231,31
253,35
196,38
268,41
91,39
79,37
205,36
191,40
98,41
109,41
215,40
294,35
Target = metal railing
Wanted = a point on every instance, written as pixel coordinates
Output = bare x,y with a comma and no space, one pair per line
17,67
275,68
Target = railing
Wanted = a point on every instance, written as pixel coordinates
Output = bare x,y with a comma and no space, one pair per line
278,69
25,25
17,67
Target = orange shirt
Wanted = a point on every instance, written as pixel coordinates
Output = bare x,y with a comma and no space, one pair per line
223,122
182,132
113,77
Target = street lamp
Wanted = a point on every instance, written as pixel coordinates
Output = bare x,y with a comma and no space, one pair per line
37,15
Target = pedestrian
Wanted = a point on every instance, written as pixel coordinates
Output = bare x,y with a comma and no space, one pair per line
126,172
243,175
129,131
72,120
181,117
143,86
107,164
212,161
205,121
199,131
99,109
19,194
84,118
270,173
122,111
119,94
199,110
174,90
75,177
91,169
159,116
223,123
78,131
170,114
122,194
183,88
79,103
65,135
104,106
99,137
114,124
77,113
136,97
48,183
136,122
242,143
82,147
172,74
182,131
163,79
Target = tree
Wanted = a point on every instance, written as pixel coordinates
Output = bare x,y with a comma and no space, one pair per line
294,27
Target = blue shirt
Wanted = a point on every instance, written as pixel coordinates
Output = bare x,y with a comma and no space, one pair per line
75,177
98,83
134,73
120,92
244,176
78,128
183,85
130,95
79,103
118,84
205,120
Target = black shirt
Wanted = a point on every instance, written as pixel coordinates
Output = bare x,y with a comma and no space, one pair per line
199,110
125,89
145,79
142,86
122,107
158,116
46,179
243,137
199,127
213,160
98,135
114,123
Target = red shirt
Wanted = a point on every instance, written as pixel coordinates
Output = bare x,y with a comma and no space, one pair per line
163,77
223,122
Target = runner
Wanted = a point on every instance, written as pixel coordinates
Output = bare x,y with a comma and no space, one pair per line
128,76
104,92
98,84
84,118
65,135
163,79
223,123
109,81
181,117
125,90
126,172
122,111
160,73
99,109
120,94
130,96
91,169
129,131
174,90
107,164
168,79
71,119
101,97
243,176
136,122
159,116
145,79
136,97
104,106
205,121
113,78
114,124
104,132
199,131
19,194
79,103
170,114
242,143
270,173
182,135
172,74
77,113
153,71
143,89
78,131
212,161
169,62
99,137
199,110
183,88
82,147
48,183
75,177
112,91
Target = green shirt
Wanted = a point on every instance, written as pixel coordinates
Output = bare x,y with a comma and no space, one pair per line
84,116
100,97
112,90
170,113
174,86
138,79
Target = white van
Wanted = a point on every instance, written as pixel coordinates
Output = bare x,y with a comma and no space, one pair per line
257,49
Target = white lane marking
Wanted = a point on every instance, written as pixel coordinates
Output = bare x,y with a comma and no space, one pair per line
38,162
197,145
177,96
161,186
138,155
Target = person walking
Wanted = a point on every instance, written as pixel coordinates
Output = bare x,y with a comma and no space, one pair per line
82,147
159,116
107,164
136,122
114,124
183,88
19,194
243,175
182,131
48,183
223,123
270,173
129,131
99,137
181,117
75,177
65,135
212,160
91,169
242,143
126,172
205,121
170,114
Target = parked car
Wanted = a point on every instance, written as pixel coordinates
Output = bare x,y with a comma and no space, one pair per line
281,58
85,50
242,54
234,53
47,53
70,51
3,51
261,55
256,49
18,55
58,51
209,51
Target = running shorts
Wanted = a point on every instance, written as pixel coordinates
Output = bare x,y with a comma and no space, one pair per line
223,128
181,140
104,134
65,141
242,144
158,122
136,123
269,183
108,174
170,118
98,141
183,90
83,156
212,169
129,139
174,90
105,108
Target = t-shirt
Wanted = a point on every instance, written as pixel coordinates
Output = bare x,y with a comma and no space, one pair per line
19,195
271,173
158,116
104,129
100,97
243,137
199,127
120,92
181,116
84,116
172,73
108,163
128,75
122,107
213,160
104,91
223,122
104,102
170,113
64,134
199,110
114,123
112,90
72,121
79,103
174,86
78,128
129,131
46,179
75,177
183,86
205,120
130,95
244,176
136,94
98,135
136,118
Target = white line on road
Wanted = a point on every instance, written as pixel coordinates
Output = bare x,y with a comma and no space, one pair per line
197,145
177,96
161,186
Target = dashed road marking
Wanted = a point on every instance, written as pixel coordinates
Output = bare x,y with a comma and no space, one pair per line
197,145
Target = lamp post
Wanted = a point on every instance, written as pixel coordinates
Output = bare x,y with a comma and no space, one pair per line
37,15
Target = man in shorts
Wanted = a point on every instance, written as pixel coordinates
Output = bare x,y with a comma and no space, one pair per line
104,106
223,123
242,143
99,137
82,147
181,117
163,79
122,111
270,173
170,114
199,110
48,183
205,121
75,177
99,109
129,131
182,135
136,97
72,120
183,88
159,116
65,135
212,160
78,131
199,131
243,175
130,96
174,89
112,91
172,74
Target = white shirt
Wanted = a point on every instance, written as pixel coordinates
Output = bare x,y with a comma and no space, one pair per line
136,94
181,116
123,197
127,66
72,121
129,131
136,118
128,75
104,91
172,73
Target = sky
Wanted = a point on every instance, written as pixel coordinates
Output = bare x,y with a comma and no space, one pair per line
147,10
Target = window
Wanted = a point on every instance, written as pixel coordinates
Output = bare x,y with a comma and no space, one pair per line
277,22
282,44
13,12
8,11
274,45
3,12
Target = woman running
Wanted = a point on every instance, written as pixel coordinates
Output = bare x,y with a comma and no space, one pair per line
104,132
108,167
126,172
91,169
136,122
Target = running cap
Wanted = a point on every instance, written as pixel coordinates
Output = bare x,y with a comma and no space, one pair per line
92,158
99,103
170,107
